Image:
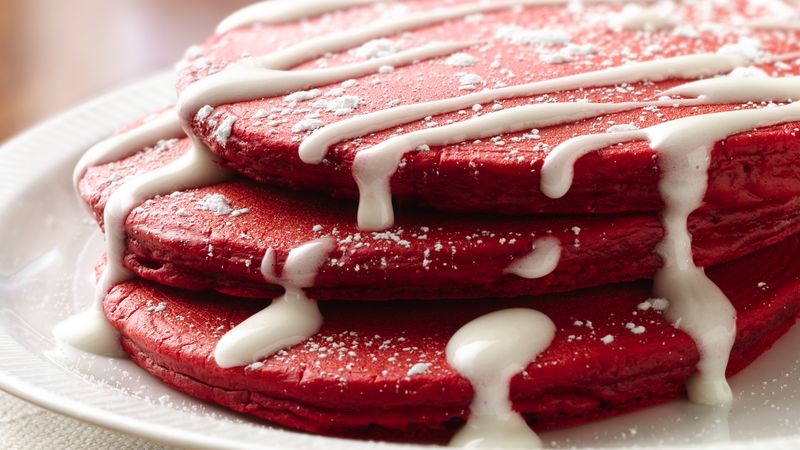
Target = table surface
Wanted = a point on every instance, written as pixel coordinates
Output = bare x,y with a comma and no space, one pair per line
54,55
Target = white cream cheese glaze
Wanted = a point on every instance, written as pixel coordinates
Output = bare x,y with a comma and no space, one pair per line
276,12
314,148
289,320
697,306
542,261
684,146
733,89
90,331
165,126
253,79
489,351
373,167
196,168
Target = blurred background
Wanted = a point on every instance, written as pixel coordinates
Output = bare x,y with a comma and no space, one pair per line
55,54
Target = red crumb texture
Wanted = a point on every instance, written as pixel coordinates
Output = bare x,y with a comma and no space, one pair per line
353,377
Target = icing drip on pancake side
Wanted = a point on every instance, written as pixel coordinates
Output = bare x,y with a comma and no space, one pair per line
697,305
275,12
542,261
489,352
89,330
289,320
269,75
373,167
164,126
557,172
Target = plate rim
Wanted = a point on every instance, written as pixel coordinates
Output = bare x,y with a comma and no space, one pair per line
157,88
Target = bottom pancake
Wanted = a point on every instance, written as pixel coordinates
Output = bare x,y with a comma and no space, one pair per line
378,370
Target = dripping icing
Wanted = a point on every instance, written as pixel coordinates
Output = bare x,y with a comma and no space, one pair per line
373,167
314,148
276,12
489,352
90,331
199,162
195,168
287,58
542,261
289,320
252,78
697,305
557,174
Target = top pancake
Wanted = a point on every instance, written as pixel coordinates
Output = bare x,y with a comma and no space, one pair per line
502,174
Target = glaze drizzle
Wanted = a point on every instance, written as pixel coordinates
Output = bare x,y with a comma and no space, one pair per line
489,351
684,145
542,261
277,12
697,306
289,320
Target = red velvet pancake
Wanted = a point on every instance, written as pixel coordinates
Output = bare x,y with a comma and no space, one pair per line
746,169
171,240
378,369
355,377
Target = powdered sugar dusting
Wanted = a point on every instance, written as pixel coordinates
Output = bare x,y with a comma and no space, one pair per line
223,132
377,48
217,204
622,127
644,18
341,105
204,113
748,48
418,369
308,124
302,96
461,59
470,81
517,35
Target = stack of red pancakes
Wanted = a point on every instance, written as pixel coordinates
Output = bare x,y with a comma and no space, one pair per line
464,213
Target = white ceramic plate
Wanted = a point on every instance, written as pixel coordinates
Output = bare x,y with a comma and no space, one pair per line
48,246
